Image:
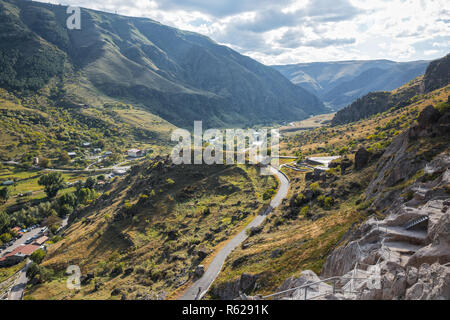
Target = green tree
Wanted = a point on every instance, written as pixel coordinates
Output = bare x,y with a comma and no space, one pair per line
90,183
65,210
64,157
38,256
67,199
44,162
6,237
4,221
52,182
5,194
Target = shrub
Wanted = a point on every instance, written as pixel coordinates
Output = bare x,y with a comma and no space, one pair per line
314,186
117,269
328,202
127,205
38,256
443,107
268,194
65,210
170,181
304,211
54,228
39,273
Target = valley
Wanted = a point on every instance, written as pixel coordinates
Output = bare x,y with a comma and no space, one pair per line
359,179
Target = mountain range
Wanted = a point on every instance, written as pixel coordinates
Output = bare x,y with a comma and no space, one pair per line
178,75
339,83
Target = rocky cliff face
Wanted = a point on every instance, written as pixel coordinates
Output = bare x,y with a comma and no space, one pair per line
411,246
403,250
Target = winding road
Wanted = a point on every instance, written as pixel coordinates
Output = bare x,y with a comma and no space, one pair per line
201,286
17,290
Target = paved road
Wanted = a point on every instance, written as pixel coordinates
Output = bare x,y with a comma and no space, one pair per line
17,290
201,286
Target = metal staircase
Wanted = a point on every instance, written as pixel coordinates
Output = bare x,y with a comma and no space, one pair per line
415,222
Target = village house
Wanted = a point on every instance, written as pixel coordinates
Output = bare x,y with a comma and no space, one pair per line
18,254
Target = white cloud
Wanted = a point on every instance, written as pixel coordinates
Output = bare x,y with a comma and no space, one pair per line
292,31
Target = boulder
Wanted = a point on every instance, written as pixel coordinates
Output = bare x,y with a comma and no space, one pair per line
362,157
433,283
233,289
202,254
428,117
411,277
276,253
199,271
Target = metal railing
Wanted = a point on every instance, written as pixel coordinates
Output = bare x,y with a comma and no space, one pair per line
308,285
415,222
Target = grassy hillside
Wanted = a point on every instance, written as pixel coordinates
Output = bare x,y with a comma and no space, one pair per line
144,237
178,75
35,125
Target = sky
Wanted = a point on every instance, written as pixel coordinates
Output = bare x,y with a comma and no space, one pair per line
295,31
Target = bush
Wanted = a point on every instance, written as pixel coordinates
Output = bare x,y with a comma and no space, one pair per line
6,237
268,194
328,203
65,210
39,273
54,228
38,256
314,186
117,269
170,181
325,202
443,107
304,211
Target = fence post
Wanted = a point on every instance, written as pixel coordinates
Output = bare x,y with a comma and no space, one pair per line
306,292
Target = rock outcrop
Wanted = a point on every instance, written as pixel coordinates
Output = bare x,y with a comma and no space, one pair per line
411,247
233,289
362,157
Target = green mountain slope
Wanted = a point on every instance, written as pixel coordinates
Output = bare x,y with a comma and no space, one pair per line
436,76
178,75
340,83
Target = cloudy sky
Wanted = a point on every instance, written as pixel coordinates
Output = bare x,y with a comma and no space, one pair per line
292,31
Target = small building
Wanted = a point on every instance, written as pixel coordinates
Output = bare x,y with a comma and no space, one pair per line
135,153
8,183
71,154
15,229
86,144
18,254
97,150
36,161
40,241
119,172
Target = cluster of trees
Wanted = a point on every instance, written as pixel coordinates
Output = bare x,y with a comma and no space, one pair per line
51,211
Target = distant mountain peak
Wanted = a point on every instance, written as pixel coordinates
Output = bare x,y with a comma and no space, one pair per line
339,83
